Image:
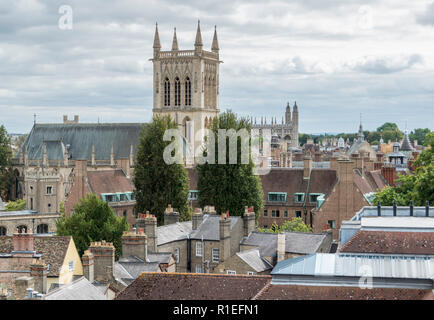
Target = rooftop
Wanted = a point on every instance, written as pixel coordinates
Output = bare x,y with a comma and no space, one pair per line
253,259
80,289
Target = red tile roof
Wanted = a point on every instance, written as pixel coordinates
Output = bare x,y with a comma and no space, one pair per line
193,286
391,242
294,292
109,181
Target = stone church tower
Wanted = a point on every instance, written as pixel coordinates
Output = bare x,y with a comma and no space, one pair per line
186,84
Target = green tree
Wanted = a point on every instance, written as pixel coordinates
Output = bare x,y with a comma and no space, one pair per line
418,187
16,205
294,225
93,220
229,186
157,183
420,135
6,176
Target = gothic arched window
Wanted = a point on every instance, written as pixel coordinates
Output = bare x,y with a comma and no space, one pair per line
187,92
177,92
167,92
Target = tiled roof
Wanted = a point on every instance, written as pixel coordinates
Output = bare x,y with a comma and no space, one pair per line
193,286
109,181
295,242
52,248
173,232
291,181
254,260
391,242
80,289
296,292
209,228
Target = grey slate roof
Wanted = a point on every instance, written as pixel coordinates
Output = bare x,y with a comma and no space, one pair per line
160,257
253,259
80,289
295,242
209,229
131,270
80,138
173,232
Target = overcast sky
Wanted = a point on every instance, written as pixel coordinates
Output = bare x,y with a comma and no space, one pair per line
337,59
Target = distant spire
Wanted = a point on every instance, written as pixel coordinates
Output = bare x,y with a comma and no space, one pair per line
157,44
215,44
198,42
175,42
361,136
295,105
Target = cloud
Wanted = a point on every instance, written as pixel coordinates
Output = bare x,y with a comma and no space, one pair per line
384,65
427,17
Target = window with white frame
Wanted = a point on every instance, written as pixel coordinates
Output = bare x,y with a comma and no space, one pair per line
250,273
71,265
176,253
199,249
198,268
231,272
215,255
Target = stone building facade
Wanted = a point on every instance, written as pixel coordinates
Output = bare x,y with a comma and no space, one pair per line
186,84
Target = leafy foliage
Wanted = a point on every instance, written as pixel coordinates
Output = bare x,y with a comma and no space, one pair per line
157,183
229,186
93,220
6,176
18,205
295,225
418,187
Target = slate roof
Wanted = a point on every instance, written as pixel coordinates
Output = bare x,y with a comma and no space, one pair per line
173,232
193,286
209,229
80,289
391,242
109,181
80,137
160,257
52,248
254,260
295,242
296,292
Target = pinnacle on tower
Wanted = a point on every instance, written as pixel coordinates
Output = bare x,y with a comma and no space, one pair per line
157,44
215,43
175,42
198,42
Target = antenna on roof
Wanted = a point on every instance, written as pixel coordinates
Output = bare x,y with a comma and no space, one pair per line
34,118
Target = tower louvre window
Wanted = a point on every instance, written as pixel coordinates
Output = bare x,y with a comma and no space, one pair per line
177,92
187,92
167,92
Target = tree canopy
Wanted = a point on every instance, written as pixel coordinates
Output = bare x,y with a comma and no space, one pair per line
6,176
159,184
418,187
18,205
93,220
295,225
229,186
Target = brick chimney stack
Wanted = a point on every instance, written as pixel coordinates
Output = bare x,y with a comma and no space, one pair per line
23,242
307,166
225,236
150,228
88,266
39,273
104,256
249,220
135,244
170,216
197,218
280,247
